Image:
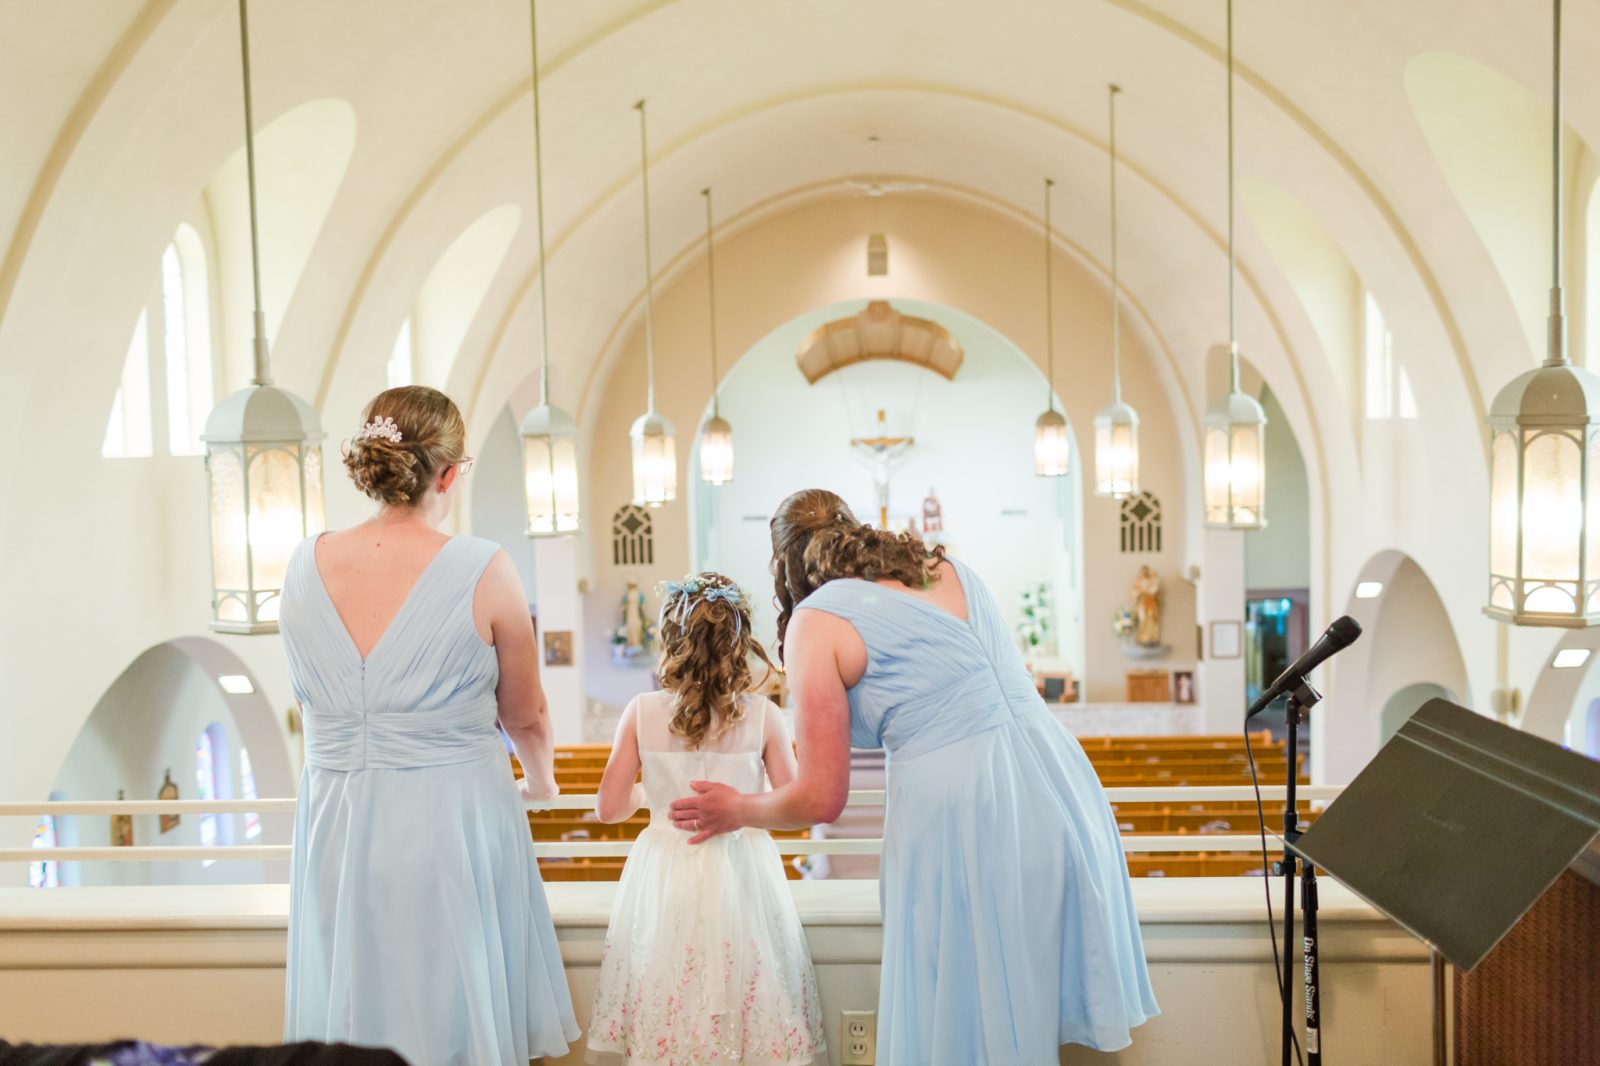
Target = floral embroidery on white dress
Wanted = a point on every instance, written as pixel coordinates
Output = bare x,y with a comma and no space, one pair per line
705,962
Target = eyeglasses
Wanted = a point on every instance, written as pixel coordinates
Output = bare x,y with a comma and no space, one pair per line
464,465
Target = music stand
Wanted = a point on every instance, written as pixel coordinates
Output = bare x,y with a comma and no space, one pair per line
1458,826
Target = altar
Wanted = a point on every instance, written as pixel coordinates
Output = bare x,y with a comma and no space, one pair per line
1130,719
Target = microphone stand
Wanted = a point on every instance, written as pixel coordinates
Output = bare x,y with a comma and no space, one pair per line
1300,701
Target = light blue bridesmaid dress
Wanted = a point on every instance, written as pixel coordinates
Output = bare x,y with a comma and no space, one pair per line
417,918
1008,921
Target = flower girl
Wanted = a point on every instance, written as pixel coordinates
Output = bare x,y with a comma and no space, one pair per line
705,961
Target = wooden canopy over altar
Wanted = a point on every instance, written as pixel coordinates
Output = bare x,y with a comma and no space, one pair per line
879,332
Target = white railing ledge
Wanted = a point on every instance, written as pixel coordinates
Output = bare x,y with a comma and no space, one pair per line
584,801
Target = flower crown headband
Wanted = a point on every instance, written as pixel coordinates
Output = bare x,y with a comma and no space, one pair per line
382,429
685,594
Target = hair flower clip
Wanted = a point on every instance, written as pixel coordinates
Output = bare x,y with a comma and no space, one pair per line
381,428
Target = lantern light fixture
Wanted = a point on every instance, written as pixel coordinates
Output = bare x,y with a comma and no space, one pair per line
1116,427
1234,428
263,458
1052,446
655,459
716,436
549,434
1544,462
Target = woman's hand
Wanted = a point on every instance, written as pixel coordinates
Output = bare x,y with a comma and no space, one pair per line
714,808
541,791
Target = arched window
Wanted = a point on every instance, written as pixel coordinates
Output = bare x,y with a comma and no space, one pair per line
632,543
1385,382
211,783
247,790
46,874
186,330
400,366
205,779
128,433
1141,523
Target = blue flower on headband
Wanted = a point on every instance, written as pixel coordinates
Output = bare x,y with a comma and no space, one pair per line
685,593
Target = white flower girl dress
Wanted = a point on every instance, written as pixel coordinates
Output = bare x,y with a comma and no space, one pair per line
705,962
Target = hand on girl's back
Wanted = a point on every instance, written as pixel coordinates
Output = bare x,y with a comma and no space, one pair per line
711,810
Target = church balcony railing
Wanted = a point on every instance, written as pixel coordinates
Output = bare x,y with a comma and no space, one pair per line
1135,843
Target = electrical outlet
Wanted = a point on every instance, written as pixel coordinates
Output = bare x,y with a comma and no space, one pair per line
860,1044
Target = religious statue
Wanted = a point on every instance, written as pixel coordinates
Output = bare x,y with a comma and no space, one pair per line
1147,607
121,826
168,791
882,451
635,632
932,519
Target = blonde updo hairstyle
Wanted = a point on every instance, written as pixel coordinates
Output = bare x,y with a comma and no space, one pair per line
432,436
816,539
706,648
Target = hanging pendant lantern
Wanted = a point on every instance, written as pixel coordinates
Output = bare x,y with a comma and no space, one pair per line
549,434
1544,467
263,460
716,436
1116,428
655,455
1052,445
1234,461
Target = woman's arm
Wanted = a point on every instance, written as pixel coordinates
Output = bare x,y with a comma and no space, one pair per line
778,752
823,650
620,794
500,607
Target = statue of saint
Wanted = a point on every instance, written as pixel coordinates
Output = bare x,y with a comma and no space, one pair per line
932,519
1147,607
635,631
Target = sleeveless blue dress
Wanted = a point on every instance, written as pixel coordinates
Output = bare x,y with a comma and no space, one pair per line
1008,920
417,918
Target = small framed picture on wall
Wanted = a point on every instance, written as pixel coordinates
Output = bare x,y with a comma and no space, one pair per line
1227,640
558,647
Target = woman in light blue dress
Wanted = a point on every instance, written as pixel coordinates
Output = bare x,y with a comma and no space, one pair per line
417,918
1008,920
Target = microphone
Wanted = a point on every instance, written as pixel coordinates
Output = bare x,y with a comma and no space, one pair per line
1338,637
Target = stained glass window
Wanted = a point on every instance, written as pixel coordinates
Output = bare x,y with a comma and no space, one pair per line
46,874
247,790
205,779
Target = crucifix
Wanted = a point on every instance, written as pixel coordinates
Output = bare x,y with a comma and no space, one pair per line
882,452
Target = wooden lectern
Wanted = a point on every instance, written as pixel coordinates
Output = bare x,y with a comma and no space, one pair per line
1480,839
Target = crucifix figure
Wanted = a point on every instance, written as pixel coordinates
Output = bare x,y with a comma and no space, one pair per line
882,451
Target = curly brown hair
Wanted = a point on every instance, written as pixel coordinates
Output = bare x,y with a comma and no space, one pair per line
815,540
432,436
706,648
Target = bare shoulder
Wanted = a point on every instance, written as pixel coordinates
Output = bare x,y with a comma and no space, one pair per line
499,598
816,636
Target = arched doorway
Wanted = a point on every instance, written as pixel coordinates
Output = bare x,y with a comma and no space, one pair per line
188,710
972,452
1407,648
1403,704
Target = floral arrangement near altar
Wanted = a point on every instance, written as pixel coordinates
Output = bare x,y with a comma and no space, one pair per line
1035,633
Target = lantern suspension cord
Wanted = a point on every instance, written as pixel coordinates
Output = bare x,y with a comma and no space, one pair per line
649,294
538,201
1233,336
1557,330
711,290
1049,305
262,367
1116,339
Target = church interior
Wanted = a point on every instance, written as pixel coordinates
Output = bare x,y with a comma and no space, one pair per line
1191,327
